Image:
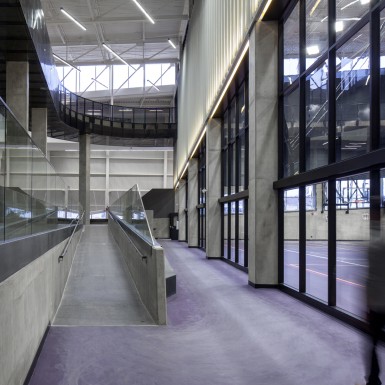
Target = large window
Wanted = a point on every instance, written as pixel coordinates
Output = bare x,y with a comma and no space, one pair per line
235,172
332,136
117,77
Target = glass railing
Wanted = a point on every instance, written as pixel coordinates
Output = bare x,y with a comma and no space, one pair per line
33,198
130,210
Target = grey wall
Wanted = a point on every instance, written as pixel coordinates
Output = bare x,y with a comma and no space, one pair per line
352,226
28,302
160,201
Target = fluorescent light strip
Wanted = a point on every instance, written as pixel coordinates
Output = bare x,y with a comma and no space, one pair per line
74,20
199,141
153,85
185,169
116,55
144,11
367,80
315,7
65,62
265,9
348,5
231,78
171,43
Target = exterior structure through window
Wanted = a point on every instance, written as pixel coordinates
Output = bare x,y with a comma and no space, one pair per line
332,61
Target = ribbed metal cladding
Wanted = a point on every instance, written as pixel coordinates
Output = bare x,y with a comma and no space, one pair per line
216,31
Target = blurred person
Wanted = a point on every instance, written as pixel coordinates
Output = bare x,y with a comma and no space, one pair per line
375,295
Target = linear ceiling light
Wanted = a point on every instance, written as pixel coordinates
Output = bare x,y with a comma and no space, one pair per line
315,7
199,142
116,55
144,11
172,44
74,20
65,62
268,2
153,84
245,49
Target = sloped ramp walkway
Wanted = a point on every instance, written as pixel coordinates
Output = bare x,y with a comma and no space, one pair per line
220,332
100,291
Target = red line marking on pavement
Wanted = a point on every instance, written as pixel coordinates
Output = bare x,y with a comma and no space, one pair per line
325,275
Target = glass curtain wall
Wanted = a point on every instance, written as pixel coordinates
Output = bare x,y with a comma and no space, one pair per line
332,61
235,142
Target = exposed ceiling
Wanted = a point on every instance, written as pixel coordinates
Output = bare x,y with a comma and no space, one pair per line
122,26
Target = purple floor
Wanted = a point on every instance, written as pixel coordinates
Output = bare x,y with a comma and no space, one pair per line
220,331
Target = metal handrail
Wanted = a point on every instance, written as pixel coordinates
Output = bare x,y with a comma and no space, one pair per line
70,102
64,252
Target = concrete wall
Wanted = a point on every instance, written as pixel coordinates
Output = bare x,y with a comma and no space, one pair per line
147,269
28,302
352,226
160,227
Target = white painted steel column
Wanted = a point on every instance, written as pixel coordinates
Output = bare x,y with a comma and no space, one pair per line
84,175
165,169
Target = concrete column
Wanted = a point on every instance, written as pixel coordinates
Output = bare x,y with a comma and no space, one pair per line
263,160
17,91
213,183
181,198
39,128
84,175
192,203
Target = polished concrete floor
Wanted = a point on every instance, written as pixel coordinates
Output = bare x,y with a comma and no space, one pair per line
220,331
99,291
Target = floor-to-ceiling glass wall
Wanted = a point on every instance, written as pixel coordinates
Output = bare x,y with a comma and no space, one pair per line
235,139
332,63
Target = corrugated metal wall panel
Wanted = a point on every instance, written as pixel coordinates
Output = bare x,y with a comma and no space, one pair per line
216,31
